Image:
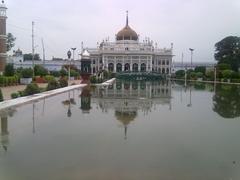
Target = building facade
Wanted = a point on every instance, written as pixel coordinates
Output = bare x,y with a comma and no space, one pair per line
128,54
3,37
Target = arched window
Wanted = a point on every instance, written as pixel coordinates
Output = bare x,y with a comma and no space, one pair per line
127,67
119,67
110,67
135,67
143,67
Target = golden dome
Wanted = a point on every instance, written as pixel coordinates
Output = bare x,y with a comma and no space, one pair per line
127,33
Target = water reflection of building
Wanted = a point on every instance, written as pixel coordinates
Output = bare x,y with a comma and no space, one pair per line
86,100
4,133
130,97
134,95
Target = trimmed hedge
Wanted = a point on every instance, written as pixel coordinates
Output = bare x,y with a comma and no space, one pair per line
8,81
53,84
31,89
1,96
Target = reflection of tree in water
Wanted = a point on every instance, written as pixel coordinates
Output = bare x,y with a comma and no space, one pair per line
226,101
125,118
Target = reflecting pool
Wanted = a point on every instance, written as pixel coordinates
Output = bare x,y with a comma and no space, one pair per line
130,130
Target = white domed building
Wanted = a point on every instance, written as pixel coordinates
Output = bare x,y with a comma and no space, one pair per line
128,54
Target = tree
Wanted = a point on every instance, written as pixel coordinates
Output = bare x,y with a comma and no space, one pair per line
9,70
228,51
180,73
226,101
29,57
201,69
40,70
10,41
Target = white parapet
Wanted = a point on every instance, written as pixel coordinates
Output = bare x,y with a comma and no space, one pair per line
35,97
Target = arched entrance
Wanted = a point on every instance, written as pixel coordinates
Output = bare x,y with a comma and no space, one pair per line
143,67
126,67
163,71
135,67
110,67
119,67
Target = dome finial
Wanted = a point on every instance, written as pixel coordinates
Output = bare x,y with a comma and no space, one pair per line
126,18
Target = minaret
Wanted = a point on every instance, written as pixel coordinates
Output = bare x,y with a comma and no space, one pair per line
126,18
3,37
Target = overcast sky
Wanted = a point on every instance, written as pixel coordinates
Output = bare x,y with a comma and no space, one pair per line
62,24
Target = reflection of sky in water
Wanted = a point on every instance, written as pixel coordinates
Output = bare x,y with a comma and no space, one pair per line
131,130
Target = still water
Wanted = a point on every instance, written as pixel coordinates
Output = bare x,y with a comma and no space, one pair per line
129,131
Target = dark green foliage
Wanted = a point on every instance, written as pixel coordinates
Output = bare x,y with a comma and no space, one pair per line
15,95
228,51
8,81
226,101
49,78
55,73
199,74
227,74
40,71
31,89
63,72
53,84
1,96
29,57
180,74
10,41
27,73
74,73
63,82
201,69
93,79
223,66
9,70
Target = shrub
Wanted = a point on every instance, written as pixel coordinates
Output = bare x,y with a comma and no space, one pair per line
193,75
63,72
63,82
49,78
1,96
223,66
55,73
27,73
199,75
40,70
53,84
74,73
201,69
8,81
31,89
210,74
9,70
227,74
93,79
15,95
180,73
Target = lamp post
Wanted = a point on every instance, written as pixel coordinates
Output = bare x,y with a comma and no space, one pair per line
191,56
69,54
73,49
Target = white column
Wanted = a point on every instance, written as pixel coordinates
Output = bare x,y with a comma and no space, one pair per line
139,64
151,65
131,64
115,65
